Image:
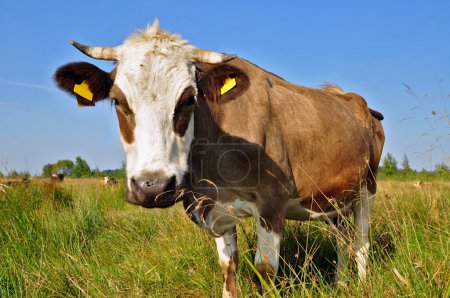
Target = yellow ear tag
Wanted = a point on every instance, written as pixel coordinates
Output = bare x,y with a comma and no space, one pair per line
229,84
83,90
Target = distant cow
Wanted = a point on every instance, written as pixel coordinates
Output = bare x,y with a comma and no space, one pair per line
108,181
57,177
232,140
421,184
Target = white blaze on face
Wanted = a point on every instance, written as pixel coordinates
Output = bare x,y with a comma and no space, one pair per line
154,68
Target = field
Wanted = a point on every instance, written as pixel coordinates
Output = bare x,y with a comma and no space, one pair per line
82,239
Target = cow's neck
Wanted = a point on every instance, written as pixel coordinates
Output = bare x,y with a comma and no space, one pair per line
206,119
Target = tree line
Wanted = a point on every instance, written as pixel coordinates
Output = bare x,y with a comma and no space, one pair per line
76,169
79,169
389,168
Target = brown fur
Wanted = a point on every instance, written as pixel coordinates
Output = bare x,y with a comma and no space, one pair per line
125,115
333,88
230,282
183,111
302,143
211,79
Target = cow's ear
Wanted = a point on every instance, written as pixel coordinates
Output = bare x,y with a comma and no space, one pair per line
85,81
222,83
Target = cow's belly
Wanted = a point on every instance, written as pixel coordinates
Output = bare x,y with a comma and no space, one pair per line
295,211
224,216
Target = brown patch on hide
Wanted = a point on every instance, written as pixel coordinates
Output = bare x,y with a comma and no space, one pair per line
212,80
183,111
99,81
125,115
230,279
229,273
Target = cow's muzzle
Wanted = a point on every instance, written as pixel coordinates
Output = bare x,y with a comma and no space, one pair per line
151,192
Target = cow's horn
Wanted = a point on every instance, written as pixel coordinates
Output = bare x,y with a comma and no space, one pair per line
102,53
212,57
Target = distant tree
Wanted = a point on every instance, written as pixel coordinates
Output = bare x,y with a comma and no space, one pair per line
389,164
442,169
423,171
97,173
1,174
81,168
122,172
63,166
47,170
405,164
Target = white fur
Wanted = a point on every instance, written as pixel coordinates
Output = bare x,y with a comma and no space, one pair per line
268,250
224,216
296,211
226,247
362,210
154,69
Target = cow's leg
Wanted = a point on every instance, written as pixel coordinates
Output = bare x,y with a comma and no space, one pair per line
344,229
228,260
267,252
362,210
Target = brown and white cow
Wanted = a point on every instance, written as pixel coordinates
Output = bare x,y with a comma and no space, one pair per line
232,140
108,181
57,177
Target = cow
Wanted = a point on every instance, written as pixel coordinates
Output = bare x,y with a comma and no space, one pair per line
420,184
108,181
231,140
57,177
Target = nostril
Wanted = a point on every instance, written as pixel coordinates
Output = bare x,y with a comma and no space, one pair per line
144,183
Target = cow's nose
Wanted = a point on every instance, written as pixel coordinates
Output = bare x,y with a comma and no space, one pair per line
151,192
153,187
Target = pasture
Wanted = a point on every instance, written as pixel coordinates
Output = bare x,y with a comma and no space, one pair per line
79,238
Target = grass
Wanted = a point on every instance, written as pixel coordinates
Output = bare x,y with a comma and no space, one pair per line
81,239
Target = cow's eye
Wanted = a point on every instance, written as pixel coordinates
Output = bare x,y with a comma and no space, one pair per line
115,101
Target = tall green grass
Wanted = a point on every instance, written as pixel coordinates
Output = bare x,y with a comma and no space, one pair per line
80,239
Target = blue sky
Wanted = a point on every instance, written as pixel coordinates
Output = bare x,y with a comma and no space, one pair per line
367,48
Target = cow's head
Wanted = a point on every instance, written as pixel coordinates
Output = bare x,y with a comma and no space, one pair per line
154,90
